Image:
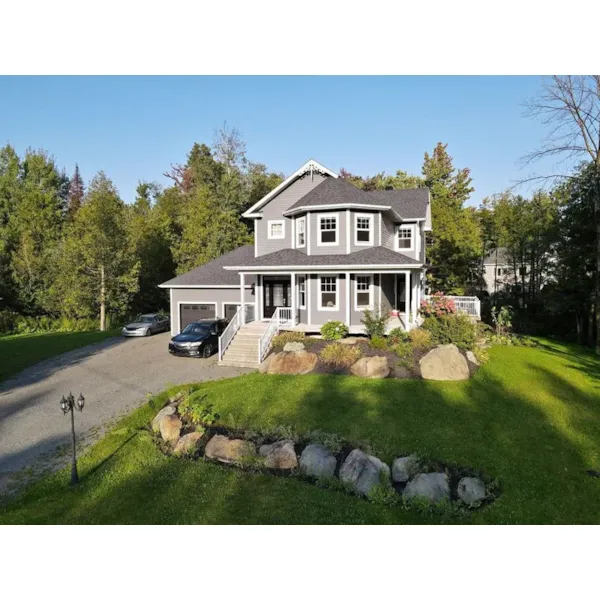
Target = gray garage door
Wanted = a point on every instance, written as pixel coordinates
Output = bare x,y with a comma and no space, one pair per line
189,313
230,310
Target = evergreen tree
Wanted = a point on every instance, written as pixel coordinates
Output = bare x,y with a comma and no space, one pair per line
76,193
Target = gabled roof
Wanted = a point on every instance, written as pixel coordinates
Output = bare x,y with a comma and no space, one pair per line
409,204
307,167
376,256
213,273
503,258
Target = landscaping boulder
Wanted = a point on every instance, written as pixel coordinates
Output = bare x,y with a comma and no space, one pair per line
431,486
293,347
351,341
170,428
444,363
280,455
404,467
472,358
165,412
371,367
317,461
264,365
363,472
224,450
188,443
292,363
471,490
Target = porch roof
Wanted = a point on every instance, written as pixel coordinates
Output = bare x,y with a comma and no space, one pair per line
376,257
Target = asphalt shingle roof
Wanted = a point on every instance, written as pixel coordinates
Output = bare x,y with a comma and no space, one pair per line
213,273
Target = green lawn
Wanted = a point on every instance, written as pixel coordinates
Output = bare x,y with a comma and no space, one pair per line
20,351
530,418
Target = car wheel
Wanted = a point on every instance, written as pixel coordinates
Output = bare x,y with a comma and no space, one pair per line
148,332
206,351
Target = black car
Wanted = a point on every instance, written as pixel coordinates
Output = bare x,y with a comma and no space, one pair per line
200,338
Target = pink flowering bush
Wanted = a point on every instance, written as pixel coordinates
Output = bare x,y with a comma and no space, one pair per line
437,306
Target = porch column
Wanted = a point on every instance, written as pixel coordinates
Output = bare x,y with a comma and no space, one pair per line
293,292
242,298
348,294
406,298
413,298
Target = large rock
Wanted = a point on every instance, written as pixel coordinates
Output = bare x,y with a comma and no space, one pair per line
224,450
292,363
471,490
472,358
170,428
317,461
371,367
362,472
444,363
350,341
293,347
280,455
188,443
404,467
431,486
264,365
165,412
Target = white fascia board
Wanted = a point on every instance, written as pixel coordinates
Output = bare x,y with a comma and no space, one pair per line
303,169
307,268
208,287
334,207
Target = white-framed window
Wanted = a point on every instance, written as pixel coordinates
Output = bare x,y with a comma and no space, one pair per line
328,293
363,292
301,292
405,237
363,229
500,271
328,229
301,232
276,230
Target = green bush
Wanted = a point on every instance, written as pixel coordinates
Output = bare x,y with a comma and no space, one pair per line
13,323
455,329
420,339
279,341
330,440
197,410
334,330
374,323
378,343
397,335
403,349
340,355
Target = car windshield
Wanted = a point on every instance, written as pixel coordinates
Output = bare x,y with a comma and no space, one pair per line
197,328
143,319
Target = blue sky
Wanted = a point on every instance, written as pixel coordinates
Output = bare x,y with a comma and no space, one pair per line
134,127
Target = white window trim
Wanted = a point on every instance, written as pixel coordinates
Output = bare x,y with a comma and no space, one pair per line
298,244
320,306
371,293
275,222
322,216
301,279
412,238
368,216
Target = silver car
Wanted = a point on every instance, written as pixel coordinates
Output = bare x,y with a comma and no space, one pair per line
145,325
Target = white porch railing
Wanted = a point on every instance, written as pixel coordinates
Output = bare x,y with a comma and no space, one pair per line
470,305
230,331
282,317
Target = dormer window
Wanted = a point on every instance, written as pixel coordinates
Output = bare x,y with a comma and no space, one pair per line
405,236
276,230
301,232
328,230
363,229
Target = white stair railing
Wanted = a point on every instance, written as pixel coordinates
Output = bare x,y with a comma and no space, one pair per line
264,344
285,317
470,305
227,336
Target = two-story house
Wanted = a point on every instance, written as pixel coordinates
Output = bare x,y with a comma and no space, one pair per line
323,250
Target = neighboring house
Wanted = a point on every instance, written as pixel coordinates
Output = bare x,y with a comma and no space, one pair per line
499,272
323,250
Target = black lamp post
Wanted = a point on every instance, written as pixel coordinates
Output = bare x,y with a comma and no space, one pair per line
69,404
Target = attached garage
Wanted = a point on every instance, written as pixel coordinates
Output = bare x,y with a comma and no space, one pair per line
188,313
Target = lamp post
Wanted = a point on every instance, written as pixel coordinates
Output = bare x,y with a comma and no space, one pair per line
69,404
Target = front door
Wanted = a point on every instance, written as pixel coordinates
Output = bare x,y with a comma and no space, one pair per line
276,293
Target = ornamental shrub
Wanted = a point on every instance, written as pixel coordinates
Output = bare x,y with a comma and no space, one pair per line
279,341
437,305
420,339
334,330
378,343
455,329
340,355
374,323
397,335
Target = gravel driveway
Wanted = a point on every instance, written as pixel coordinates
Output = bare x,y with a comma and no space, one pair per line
114,375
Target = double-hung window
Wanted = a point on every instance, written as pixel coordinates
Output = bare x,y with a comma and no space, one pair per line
302,292
363,292
301,232
328,230
328,293
363,230
276,230
405,237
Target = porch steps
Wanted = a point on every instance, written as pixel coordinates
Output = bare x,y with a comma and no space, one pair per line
243,350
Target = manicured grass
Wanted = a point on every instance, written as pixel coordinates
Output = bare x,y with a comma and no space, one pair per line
18,352
530,418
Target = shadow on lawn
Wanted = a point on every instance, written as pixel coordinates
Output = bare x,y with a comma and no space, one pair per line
537,442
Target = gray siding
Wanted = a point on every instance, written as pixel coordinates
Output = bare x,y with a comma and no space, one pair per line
319,317
219,296
376,232
274,210
388,230
341,246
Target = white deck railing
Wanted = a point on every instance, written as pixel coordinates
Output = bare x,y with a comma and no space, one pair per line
470,305
264,344
229,333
